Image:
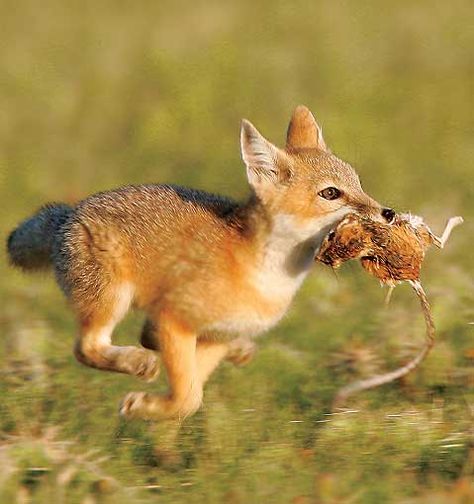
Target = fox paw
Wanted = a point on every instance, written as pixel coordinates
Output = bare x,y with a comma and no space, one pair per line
133,404
157,407
241,351
143,363
149,368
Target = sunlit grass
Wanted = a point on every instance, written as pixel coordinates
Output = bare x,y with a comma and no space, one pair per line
94,95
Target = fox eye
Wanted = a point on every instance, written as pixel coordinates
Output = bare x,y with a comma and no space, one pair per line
330,193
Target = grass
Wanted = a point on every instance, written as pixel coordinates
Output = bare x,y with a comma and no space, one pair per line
96,95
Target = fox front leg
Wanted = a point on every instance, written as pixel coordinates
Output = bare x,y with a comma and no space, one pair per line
241,351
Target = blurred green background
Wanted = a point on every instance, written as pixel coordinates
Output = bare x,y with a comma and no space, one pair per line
94,95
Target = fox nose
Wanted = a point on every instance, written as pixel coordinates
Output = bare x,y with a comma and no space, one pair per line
388,214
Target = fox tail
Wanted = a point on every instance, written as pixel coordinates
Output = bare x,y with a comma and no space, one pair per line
29,246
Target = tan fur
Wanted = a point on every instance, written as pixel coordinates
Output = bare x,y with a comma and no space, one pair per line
207,271
304,132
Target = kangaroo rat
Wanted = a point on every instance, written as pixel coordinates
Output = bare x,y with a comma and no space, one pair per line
393,253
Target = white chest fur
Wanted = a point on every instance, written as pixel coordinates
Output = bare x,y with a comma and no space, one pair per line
286,259
288,254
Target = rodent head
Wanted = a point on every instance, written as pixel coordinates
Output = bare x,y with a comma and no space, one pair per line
349,240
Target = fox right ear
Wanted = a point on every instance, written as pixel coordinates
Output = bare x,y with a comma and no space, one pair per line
262,158
304,132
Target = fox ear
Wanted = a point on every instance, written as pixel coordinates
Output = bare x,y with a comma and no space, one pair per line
263,160
304,132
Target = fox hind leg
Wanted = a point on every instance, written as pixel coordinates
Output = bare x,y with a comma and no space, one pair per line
94,346
178,355
189,365
189,362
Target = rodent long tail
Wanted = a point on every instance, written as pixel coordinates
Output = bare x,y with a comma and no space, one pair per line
30,245
381,379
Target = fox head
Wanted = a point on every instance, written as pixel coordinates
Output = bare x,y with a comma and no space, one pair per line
305,182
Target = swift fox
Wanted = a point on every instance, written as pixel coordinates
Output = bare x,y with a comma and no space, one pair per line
209,273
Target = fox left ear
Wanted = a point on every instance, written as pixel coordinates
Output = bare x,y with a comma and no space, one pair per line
264,161
304,132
